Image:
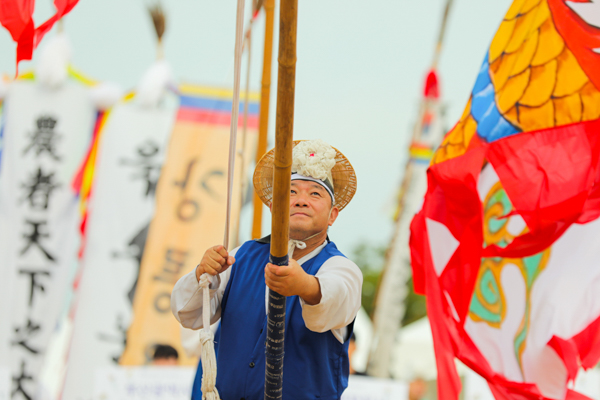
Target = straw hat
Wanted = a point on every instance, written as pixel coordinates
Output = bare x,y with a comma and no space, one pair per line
342,174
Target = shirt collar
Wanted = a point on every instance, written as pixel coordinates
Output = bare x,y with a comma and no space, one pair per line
313,253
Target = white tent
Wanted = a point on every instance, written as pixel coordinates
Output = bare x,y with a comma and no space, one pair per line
363,331
413,355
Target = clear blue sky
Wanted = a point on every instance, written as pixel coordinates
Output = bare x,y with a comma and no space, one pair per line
360,71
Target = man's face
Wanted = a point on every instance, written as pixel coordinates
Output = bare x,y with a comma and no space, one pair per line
311,211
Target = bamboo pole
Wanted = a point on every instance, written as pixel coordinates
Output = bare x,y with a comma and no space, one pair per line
281,193
440,41
265,97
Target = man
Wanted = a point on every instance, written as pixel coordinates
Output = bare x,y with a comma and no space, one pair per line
165,356
323,286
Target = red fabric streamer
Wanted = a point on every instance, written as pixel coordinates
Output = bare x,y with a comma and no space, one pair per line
540,140
550,174
432,88
17,17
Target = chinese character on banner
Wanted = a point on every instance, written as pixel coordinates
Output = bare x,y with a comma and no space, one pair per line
19,382
44,141
38,189
34,236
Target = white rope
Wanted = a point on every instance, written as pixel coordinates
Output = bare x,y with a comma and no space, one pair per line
300,244
293,244
209,360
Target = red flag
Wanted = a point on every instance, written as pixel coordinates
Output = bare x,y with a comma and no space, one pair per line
505,246
17,17
432,88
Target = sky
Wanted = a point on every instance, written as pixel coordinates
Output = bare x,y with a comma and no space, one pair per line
359,74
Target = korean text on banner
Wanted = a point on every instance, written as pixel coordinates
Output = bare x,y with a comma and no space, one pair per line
190,214
130,156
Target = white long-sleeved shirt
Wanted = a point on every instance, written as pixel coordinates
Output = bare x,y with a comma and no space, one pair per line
340,280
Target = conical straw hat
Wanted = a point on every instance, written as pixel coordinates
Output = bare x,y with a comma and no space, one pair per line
344,178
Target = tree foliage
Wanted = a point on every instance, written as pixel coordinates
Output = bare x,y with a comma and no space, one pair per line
371,260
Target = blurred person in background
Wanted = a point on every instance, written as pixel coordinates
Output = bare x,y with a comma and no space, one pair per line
165,355
417,389
351,352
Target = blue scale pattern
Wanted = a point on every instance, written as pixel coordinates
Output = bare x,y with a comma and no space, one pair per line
491,125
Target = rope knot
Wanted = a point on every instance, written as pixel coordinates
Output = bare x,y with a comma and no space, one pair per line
293,244
204,281
299,244
206,336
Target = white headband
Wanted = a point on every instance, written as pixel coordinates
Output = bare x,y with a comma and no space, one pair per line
298,177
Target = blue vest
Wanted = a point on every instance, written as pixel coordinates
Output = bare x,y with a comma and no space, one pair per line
315,365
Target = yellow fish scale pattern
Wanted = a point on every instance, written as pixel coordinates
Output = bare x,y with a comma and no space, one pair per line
537,80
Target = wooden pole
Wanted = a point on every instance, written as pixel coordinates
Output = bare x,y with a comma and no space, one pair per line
265,97
440,41
281,194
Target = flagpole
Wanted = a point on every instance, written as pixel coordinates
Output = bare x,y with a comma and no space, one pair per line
265,97
391,290
281,193
440,41
242,151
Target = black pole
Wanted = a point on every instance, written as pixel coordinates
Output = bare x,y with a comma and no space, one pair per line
274,348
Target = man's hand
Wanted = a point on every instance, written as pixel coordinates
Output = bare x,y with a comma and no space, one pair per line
291,280
215,260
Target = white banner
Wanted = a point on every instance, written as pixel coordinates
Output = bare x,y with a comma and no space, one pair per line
46,137
4,383
128,164
175,383
368,388
144,383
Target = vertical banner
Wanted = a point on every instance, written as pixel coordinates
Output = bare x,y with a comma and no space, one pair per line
391,292
130,156
46,135
190,213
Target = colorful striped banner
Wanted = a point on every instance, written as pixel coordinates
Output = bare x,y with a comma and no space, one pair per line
212,106
420,152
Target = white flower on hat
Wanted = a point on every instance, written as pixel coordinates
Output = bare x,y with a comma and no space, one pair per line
313,158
